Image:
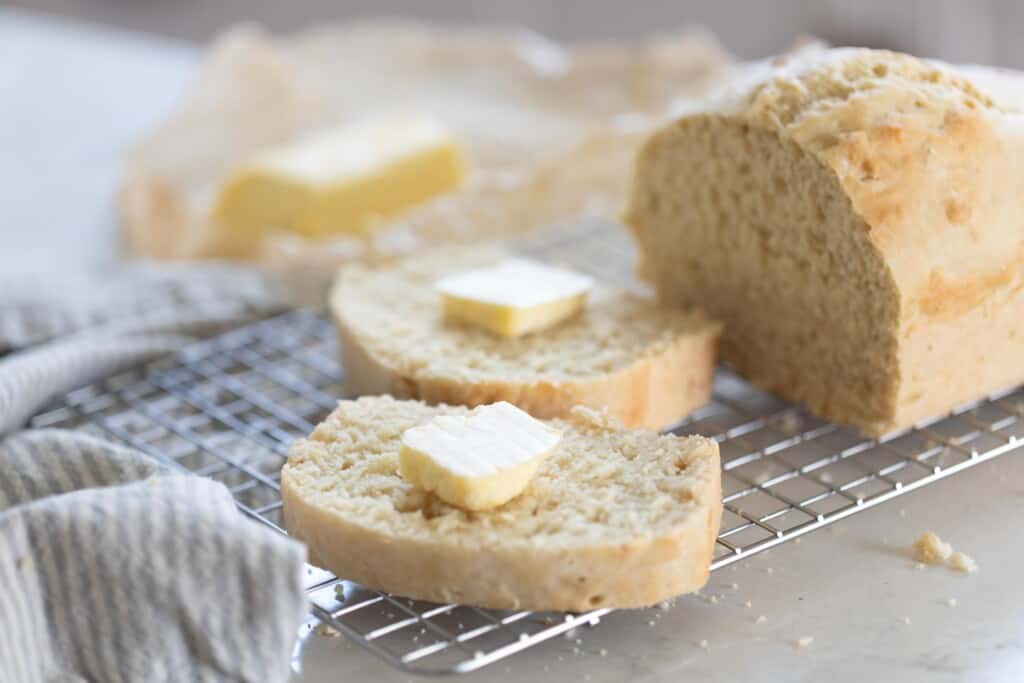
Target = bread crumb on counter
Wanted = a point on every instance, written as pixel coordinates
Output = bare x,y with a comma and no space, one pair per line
963,563
805,641
748,604
703,644
328,631
906,620
761,619
930,549
951,602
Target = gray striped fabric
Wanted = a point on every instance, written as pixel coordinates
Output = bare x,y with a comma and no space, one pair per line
110,568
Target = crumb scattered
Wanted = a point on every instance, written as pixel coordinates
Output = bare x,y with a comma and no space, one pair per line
930,549
951,602
713,599
603,652
790,423
903,512
797,540
963,563
735,586
651,622
761,619
748,603
664,605
919,565
805,641
576,651
770,571
327,631
906,620
825,477
703,644
579,641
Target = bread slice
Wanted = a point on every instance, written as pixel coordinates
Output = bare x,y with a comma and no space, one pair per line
854,218
647,366
613,518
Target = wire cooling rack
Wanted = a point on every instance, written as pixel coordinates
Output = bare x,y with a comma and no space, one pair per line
229,407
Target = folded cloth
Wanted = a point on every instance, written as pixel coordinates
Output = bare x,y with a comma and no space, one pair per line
112,569
86,327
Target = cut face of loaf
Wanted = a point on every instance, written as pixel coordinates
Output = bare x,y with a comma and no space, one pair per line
613,517
856,219
647,365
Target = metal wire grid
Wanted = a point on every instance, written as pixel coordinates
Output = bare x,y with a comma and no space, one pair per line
229,407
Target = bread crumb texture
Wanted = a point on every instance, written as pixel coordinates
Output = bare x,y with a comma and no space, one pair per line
619,352
612,518
850,215
805,641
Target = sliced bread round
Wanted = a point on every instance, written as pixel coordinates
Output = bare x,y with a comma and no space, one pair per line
613,518
646,365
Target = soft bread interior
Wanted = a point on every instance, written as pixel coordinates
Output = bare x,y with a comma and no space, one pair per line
759,233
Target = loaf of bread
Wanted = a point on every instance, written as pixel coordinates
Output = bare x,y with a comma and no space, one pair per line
613,518
856,219
646,365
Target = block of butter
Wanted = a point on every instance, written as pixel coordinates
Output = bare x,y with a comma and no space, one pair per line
479,461
341,180
514,297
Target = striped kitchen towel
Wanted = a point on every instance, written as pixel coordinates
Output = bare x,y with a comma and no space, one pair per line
112,569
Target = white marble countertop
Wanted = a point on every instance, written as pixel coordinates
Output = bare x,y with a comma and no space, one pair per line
72,96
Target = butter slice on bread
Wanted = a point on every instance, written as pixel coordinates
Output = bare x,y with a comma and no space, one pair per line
613,517
646,365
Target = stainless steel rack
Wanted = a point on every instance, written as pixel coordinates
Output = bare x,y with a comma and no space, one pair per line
229,407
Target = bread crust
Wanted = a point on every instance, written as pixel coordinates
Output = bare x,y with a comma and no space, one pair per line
515,573
932,170
662,379
654,392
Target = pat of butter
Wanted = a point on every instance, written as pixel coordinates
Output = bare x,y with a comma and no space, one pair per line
514,297
341,180
479,461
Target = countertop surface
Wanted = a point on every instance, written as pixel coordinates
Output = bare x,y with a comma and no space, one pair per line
72,96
